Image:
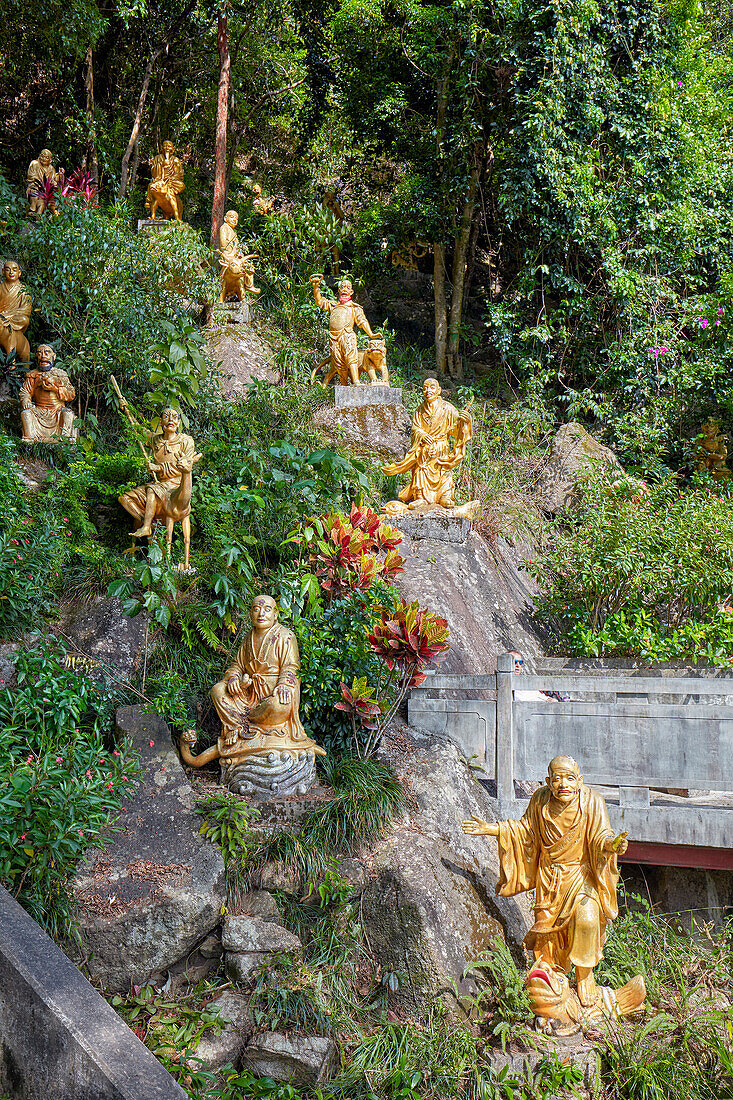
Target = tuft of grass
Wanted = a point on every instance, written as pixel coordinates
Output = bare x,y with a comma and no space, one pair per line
502,1001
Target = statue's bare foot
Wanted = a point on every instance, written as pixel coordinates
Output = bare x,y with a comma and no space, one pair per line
141,533
587,991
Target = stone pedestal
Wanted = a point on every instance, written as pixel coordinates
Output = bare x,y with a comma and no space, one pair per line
355,397
238,313
144,224
440,525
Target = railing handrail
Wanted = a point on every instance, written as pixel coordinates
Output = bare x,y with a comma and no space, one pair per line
580,681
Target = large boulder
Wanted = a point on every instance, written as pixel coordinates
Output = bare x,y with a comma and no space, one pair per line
574,451
431,909
244,358
367,430
157,887
482,593
100,640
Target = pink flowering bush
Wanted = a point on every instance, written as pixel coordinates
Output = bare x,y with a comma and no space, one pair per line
61,785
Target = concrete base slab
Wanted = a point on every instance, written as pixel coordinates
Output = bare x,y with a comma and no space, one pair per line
440,525
350,397
144,224
238,313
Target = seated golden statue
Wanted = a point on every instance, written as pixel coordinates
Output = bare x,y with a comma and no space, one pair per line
44,417
563,848
712,452
166,185
263,745
168,496
237,275
15,314
261,204
343,316
430,461
38,172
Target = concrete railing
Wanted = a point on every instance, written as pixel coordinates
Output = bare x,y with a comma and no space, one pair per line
628,732
59,1039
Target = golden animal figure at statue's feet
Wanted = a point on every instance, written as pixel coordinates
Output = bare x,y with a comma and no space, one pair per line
167,184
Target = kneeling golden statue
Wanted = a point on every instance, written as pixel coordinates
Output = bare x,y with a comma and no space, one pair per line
263,748
564,849
44,416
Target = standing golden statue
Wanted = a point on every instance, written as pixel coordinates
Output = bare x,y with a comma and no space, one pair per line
166,185
44,417
563,848
38,172
712,452
237,274
168,496
263,747
430,461
15,314
344,315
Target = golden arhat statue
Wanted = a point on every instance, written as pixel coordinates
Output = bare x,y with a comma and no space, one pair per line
44,417
563,848
171,458
712,452
263,748
431,460
166,185
260,204
15,314
237,275
39,171
345,361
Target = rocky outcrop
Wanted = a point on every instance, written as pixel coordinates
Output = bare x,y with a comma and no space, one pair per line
216,1048
480,590
368,430
431,910
101,641
244,357
301,1060
574,451
157,887
249,941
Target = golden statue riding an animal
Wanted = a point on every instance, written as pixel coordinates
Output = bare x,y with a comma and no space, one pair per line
345,360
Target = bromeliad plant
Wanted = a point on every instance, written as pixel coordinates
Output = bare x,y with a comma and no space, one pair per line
406,640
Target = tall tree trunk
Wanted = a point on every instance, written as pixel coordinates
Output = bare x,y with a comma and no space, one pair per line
460,252
133,168
220,167
441,307
132,143
90,157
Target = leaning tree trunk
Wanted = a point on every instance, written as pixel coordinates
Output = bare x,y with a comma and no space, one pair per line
90,157
460,253
441,307
220,166
132,143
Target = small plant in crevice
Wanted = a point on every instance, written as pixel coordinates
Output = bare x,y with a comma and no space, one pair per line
227,824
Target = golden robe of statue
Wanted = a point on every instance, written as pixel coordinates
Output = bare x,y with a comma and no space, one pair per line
166,185
431,460
15,314
44,417
563,848
237,275
39,171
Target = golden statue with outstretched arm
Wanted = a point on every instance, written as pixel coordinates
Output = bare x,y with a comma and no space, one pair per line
563,848
344,316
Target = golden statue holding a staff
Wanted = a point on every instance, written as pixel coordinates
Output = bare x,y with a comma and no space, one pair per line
170,460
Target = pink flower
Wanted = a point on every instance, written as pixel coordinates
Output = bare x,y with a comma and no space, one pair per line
125,779
151,743
59,759
23,836
124,809
680,84
29,759
68,533
717,323
663,349
703,322
720,311
115,752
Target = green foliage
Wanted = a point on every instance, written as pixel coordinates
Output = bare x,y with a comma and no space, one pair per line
641,570
367,796
179,369
29,556
61,785
227,825
502,1000
156,577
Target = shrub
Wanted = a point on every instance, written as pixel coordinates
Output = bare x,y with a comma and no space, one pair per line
61,784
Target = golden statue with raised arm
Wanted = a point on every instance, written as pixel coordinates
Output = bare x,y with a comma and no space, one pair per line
166,185
168,496
44,416
16,305
344,315
431,460
237,273
563,848
263,747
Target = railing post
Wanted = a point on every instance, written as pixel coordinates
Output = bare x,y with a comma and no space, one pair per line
504,728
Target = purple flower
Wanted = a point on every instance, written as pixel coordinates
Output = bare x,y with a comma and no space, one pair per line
680,84
720,310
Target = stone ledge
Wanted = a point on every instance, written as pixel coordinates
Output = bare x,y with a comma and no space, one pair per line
58,1038
439,525
349,397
